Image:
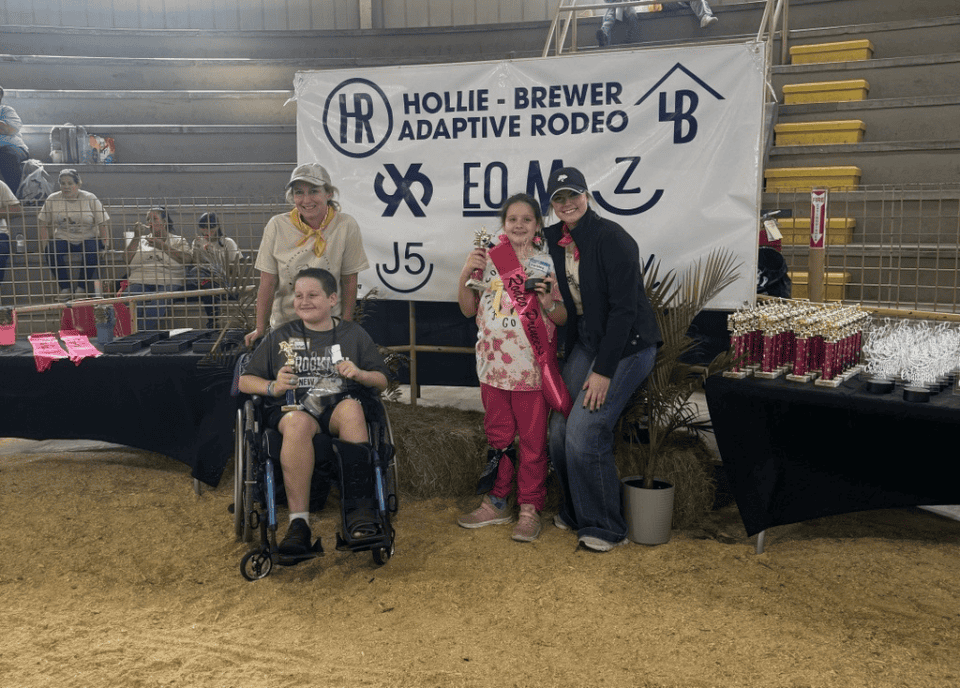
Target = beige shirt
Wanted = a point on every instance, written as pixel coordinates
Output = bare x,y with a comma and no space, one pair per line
153,266
279,255
73,219
7,198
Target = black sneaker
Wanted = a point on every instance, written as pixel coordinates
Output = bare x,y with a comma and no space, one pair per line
297,540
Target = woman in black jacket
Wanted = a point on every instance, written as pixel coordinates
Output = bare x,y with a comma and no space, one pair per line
611,345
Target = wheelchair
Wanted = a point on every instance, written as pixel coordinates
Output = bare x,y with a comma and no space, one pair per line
367,481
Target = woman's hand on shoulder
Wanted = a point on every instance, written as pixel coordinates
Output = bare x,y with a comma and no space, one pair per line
250,337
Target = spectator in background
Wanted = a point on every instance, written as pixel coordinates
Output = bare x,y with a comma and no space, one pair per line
13,151
627,15
314,234
8,203
701,8
158,260
214,255
80,225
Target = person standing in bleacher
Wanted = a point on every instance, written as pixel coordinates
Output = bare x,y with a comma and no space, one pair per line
8,203
80,225
13,151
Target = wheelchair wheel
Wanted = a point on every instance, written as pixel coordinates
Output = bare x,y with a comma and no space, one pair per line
382,554
238,461
255,565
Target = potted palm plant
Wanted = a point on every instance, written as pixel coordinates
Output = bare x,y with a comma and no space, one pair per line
663,406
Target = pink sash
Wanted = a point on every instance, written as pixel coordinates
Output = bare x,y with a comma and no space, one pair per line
78,346
528,308
46,350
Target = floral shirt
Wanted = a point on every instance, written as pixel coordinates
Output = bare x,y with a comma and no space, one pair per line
504,357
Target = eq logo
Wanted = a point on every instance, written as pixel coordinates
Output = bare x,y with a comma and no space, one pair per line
357,118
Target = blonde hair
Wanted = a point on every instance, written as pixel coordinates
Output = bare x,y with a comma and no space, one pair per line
326,188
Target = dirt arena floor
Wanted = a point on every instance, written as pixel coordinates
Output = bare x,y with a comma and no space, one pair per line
114,573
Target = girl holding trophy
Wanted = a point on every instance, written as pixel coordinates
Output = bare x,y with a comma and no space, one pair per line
509,289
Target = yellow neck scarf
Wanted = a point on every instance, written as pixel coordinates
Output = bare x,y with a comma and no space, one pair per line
319,244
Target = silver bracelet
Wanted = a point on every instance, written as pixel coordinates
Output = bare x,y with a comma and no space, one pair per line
270,389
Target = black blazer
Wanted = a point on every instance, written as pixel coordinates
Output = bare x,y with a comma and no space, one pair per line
617,317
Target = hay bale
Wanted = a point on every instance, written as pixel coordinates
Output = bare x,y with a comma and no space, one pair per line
440,450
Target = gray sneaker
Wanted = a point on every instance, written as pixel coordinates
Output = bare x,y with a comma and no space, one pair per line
560,523
599,544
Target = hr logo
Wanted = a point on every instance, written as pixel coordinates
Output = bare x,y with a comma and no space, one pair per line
357,118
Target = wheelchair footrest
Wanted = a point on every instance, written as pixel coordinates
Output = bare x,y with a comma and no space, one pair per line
316,550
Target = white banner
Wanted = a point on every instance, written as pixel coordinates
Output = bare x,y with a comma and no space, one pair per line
668,140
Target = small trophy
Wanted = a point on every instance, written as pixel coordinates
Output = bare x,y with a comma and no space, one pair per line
537,270
481,239
287,349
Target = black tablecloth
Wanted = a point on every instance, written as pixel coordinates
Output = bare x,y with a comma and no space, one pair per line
162,403
795,451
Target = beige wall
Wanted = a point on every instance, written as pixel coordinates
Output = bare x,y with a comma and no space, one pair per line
270,15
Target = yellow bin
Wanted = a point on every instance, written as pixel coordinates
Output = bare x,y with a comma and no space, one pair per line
836,283
796,230
805,178
825,91
844,51
817,133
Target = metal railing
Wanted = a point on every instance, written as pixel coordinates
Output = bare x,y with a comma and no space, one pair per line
41,280
565,23
888,247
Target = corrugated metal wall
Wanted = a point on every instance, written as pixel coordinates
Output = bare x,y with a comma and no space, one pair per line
270,15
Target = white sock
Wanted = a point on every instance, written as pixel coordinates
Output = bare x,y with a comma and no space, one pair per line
305,515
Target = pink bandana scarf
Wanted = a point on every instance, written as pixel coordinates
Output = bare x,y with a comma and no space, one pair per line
566,240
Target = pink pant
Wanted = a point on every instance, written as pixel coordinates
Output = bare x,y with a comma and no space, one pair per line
509,414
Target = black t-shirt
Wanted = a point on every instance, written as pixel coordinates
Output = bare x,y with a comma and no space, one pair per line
313,351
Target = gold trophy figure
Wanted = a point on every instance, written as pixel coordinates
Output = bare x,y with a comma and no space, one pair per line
481,239
286,348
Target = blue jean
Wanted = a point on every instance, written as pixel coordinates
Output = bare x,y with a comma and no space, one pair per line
60,262
581,446
4,253
150,312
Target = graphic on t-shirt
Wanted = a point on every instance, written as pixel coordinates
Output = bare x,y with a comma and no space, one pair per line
318,368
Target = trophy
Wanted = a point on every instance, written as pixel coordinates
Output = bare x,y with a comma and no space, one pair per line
329,386
286,348
481,239
537,270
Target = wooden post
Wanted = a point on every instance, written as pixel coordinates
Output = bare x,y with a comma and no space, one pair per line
414,387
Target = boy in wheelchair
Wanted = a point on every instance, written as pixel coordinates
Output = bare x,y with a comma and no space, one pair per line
334,361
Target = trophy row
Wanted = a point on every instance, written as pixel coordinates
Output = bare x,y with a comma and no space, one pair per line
924,357
830,343
800,340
